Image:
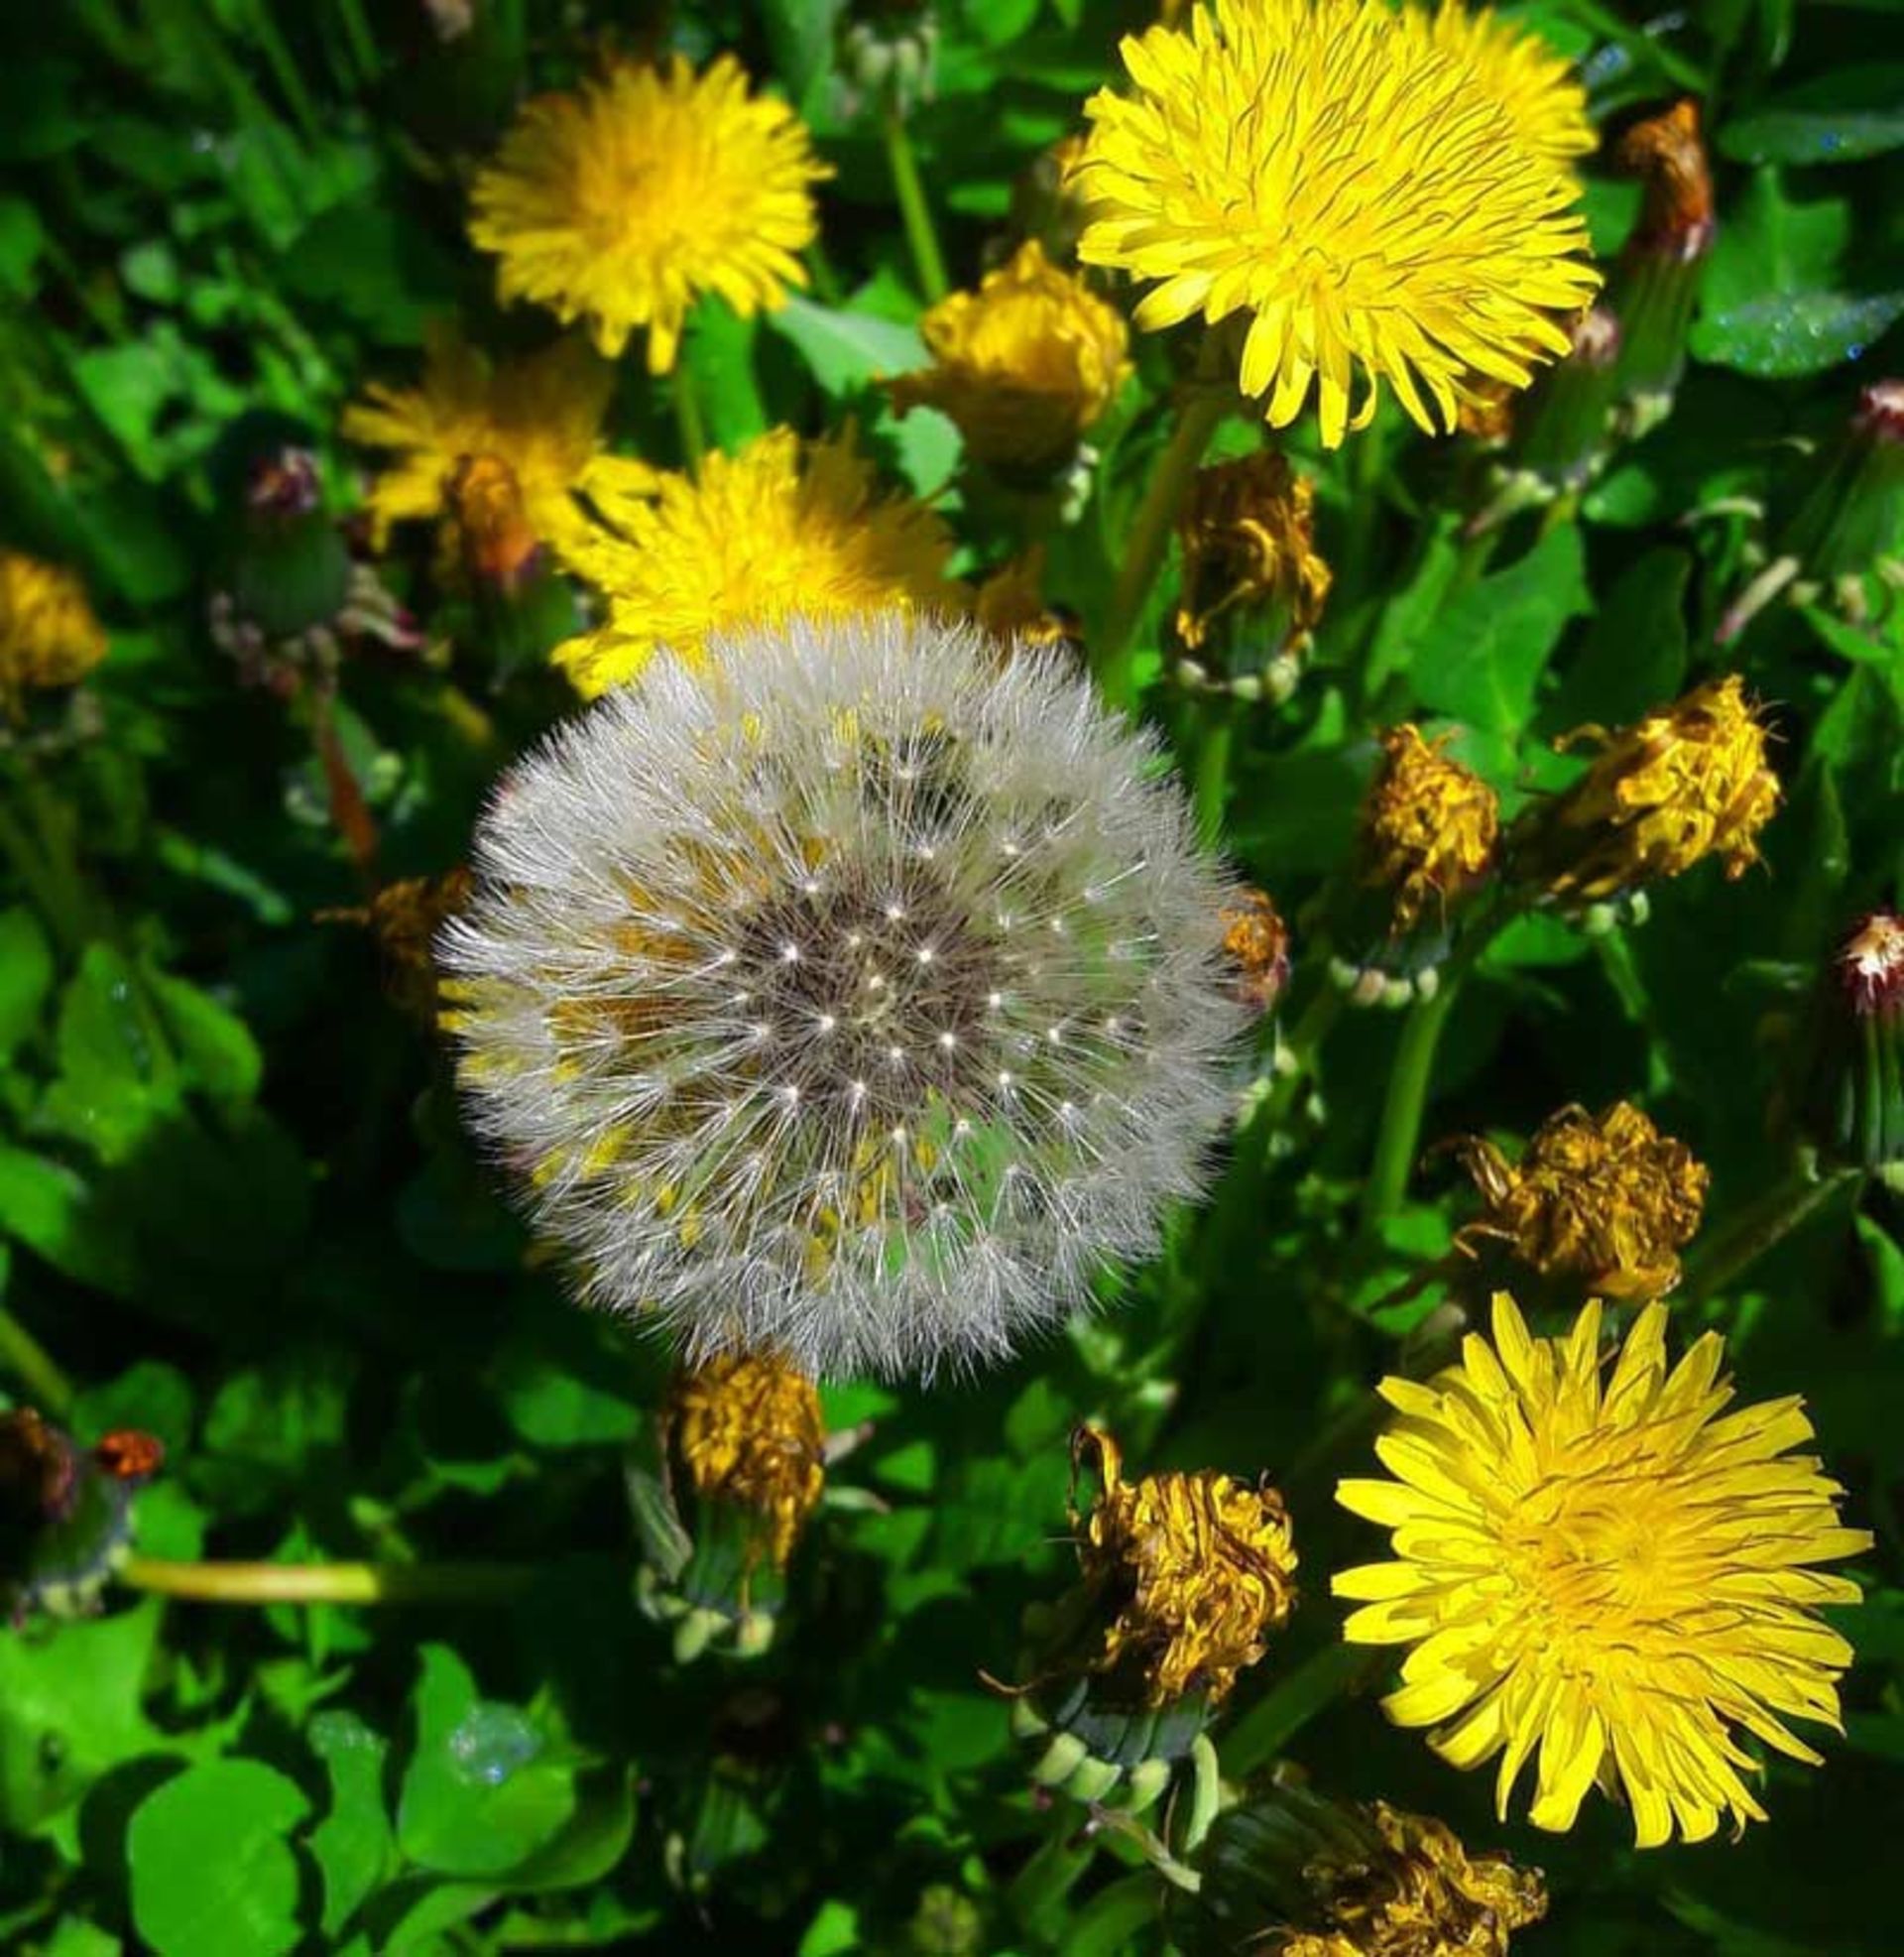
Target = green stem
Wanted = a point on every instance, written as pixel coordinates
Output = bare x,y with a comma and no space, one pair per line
1262,1733
329,1583
687,416
1109,1925
1761,1225
1210,769
1398,1140
22,1355
42,852
927,260
1150,537
1038,1891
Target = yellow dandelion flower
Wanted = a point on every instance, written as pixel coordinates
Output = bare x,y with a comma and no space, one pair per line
1320,170
623,203
1429,826
1248,537
538,419
1687,782
747,1429
754,538
1537,88
1200,1568
49,636
1613,1572
1413,1891
1607,1199
1024,366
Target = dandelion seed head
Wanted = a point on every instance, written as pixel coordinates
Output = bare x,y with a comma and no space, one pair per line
997,1050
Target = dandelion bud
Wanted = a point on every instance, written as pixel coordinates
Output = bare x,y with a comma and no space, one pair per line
49,636
1253,583
66,1513
1025,367
1835,521
853,998
1603,1202
1655,284
522,607
1427,844
1288,1873
888,49
1687,781
1560,438
745,1445
1855,1076
1011,605
1256,942
1184,1576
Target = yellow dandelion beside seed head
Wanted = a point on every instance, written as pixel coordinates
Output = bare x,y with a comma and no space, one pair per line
1610,1572
1537,88
1326,173
1428,825
1607,1199
1200,1569
1687,781
779,529
1024,366
49,636
747,1428
540,418
621,203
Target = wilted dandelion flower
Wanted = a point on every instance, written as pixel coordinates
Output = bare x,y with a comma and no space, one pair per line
1614,1573
1249,557
49,636
1024,366
1198,1569
1288,1873
854,996
749,538
748,1431
1537,88
1429,826
621,203
1607,1199
538,419
1329,174
1687,781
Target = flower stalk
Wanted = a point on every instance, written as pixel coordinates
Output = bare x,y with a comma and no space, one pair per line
921,238
329,1583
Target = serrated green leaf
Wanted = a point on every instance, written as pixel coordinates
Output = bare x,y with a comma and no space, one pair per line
1840,117
1787,334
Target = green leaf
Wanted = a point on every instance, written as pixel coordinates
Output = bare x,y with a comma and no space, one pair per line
22,240
1634,654
1772,243
1787,334
1839,117
60,1215
482,1790
353,1844
846,349
270,1423
116,1079
26,975
74,1696
213,1873
1482,657
213,1042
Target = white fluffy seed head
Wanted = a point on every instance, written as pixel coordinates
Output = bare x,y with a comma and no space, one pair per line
853,996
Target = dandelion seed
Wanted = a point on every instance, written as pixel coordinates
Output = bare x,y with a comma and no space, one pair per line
689,816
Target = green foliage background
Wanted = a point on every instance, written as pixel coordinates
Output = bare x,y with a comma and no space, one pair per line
236,1204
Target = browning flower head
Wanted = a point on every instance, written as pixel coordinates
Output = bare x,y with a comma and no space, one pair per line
1350,182
747,1429
1011,605
496,546
854,996
1668,155
1606,1199
49,636
1256,942
1612,1571
1199,1569
1418,1894
405,918
783,528
1247,536
1870,964
1024,366
1687,782
624,202
536,420
1428,826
